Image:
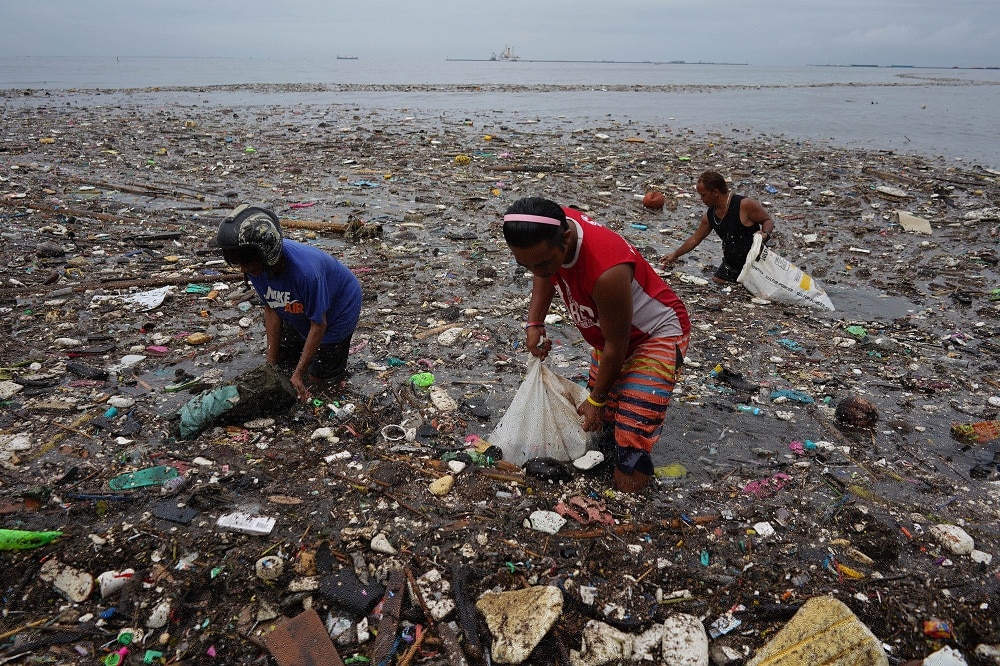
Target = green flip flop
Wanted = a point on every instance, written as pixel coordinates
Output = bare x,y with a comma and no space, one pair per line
152,476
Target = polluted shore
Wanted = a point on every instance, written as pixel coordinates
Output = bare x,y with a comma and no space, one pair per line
826,483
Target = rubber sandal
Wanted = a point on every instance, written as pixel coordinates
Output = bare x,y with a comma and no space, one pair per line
174,388
152,476
963,297
735,380
565,510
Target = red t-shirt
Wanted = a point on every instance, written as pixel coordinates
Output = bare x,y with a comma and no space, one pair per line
657,312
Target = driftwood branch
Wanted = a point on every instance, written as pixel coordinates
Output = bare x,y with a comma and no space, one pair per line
533,168
72,212
434,331
351,228
150,282
625,528
144,190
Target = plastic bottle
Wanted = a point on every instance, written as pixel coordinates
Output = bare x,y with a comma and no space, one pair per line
173,485
480,459
477,458
749,409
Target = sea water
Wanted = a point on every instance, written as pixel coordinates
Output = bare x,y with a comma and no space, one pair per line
942,113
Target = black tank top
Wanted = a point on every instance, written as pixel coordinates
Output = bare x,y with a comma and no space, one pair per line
736,238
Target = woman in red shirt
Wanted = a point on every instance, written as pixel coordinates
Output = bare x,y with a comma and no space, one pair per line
638,327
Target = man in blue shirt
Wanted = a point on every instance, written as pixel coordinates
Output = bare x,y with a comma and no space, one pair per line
312,302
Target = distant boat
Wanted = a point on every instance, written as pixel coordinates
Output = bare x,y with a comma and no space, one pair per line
347,57
505,55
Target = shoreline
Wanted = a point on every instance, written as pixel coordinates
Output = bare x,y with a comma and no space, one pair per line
492,87
700,108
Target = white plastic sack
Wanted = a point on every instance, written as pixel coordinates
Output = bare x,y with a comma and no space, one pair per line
767,275
542,420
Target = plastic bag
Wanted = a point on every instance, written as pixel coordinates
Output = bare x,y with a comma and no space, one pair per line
198,412
258,391
542,420
767,275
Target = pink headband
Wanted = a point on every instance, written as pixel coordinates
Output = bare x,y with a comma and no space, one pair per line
538,219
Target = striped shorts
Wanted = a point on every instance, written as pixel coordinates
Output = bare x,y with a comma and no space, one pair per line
637,401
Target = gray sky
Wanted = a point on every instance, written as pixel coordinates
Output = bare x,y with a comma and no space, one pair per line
767,32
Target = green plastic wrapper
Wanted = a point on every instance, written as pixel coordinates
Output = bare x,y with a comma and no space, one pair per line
25,540
422,380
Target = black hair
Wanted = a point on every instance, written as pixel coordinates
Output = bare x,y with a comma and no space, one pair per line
529,234
713,180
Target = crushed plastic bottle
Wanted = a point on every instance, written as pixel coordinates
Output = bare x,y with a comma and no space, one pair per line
476,457
749,409
341,411
174,485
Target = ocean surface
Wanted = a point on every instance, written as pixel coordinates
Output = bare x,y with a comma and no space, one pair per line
948,114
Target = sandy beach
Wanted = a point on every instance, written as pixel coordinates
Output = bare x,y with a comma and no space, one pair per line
103,202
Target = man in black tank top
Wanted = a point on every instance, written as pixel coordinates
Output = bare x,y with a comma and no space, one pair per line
735,218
